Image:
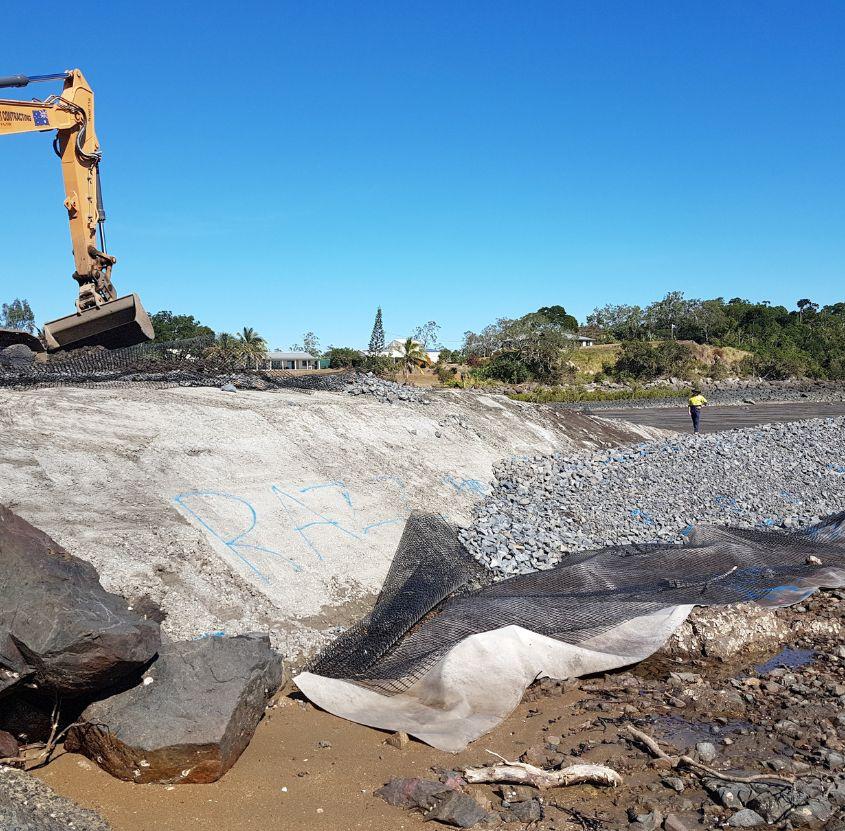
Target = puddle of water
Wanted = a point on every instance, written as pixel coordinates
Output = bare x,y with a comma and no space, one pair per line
787,658
685,734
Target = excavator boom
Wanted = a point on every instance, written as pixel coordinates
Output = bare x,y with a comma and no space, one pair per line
101,318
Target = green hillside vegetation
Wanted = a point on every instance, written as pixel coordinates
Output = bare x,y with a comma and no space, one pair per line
671,337
808,341
602,358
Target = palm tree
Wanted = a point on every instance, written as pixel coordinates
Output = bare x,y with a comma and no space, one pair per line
412,356
252,346
224,350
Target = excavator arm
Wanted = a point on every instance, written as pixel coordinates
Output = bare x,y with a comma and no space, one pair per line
101,316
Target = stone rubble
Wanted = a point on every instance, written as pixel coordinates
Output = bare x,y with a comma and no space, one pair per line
731,392
387,392
27,804
782,718
351,382
776,476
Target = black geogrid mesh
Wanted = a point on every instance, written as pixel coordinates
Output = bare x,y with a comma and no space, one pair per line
412,626
190,362
429,565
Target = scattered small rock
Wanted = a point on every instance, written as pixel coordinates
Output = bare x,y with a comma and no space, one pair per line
674,823
398,740
746,818
435,800
706,752
8,745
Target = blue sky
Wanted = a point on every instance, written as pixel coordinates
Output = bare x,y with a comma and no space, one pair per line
290,166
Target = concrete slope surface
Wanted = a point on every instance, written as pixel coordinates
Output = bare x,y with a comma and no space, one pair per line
256,511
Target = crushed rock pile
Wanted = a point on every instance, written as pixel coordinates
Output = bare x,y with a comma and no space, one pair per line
18,370
545,507
351,382
380,388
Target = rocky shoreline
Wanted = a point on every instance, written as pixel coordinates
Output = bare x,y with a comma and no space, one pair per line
744,745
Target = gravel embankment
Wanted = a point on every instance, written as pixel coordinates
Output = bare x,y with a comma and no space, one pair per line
27,804
351,382
783,475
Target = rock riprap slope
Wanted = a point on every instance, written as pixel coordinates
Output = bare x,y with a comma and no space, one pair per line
543,507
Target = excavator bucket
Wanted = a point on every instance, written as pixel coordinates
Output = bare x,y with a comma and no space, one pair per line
118,323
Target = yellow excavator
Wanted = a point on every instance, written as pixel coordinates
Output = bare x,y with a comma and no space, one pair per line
102,318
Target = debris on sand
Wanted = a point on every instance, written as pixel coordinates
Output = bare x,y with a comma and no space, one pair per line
436,800
520,773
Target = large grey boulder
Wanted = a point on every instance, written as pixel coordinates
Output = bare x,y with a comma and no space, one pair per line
190,718
59,628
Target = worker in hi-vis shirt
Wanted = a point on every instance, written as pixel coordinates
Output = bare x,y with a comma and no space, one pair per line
696,402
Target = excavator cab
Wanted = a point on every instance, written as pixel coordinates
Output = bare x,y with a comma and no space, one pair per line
102,318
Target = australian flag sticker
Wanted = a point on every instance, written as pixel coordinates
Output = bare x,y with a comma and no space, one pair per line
40,118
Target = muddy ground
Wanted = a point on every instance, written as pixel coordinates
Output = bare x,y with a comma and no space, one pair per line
307,769
717,418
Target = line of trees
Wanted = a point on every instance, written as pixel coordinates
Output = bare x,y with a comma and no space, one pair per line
806,341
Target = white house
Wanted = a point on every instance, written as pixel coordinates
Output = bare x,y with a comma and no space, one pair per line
582,341
290,360
396,350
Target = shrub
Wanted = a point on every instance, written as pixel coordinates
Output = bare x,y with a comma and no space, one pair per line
642,361
779,365
379,364
505,367
445,373
344,357
450,356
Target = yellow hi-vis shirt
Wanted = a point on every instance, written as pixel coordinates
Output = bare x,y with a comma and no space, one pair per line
697,401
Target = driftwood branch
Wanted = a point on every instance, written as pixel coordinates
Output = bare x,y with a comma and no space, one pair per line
37,754
519,773
687,761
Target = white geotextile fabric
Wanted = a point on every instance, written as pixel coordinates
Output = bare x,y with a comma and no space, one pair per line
479,682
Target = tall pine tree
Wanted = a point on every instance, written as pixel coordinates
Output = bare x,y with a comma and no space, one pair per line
377,337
